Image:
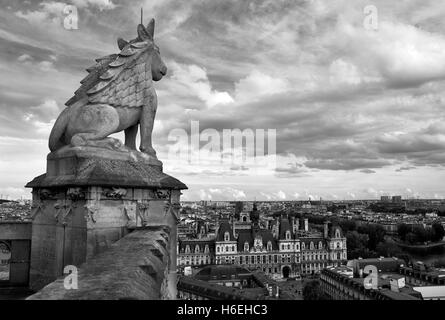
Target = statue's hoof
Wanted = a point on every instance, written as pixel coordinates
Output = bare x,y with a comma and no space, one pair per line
149,151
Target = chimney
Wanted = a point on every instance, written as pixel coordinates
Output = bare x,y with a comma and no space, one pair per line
233,229
325,229
306,224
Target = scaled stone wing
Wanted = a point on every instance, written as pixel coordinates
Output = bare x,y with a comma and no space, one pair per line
93,77
122,84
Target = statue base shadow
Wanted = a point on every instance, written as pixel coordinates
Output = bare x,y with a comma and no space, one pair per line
88,199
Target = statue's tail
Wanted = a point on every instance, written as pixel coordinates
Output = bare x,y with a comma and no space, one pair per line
58,131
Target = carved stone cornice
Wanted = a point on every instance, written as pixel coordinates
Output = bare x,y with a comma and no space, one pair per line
75,194
114,193
46,194
162,194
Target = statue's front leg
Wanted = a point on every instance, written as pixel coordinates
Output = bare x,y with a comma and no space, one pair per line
147,122
130,137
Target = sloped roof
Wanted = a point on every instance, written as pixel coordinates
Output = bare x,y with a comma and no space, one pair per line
332,231
284,226
194,242
250,235
223,228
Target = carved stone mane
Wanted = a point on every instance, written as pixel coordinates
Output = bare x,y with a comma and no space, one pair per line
118,79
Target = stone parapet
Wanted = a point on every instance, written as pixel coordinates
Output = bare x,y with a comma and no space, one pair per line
86,202
136,267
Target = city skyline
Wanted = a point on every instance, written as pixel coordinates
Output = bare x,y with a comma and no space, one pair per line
358,112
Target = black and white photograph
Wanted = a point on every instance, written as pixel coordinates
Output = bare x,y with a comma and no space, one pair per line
253,152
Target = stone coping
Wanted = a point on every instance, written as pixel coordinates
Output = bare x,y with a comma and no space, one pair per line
109,173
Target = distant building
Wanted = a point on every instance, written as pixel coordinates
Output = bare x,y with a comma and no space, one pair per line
195,252
229,282
393,281
287,249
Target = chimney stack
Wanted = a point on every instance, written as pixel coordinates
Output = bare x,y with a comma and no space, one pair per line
326,229
294,225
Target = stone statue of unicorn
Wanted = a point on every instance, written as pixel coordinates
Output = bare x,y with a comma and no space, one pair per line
117,95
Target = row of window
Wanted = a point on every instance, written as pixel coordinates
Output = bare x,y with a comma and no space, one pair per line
289,246
197,249
226,248
192,261
269,259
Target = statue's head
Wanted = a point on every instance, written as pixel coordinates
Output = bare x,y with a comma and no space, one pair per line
145,34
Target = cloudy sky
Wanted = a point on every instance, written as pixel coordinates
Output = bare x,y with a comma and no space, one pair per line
358,112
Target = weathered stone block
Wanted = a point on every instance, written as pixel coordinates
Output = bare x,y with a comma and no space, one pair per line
132,268
85,204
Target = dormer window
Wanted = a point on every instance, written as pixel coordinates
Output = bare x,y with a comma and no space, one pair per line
246,246
206,248
196,249
226,236
337,233
269,246
187,249
288,235
312,246
320,245
258,243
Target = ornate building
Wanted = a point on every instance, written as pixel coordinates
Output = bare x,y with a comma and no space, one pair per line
283,250
196,252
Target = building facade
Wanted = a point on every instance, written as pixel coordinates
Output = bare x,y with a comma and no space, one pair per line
195,252
286,249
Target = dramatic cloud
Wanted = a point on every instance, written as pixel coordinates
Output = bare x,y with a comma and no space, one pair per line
358,113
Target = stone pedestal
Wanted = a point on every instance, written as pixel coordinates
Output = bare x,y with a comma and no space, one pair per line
87,200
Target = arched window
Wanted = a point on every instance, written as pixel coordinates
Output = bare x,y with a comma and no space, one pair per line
297,246
226,236
338,245
233,248
320,245
246,246
206,248
217,249
303,246
244,219
287,235
269,246
187,249
197,249
311,246
337,233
